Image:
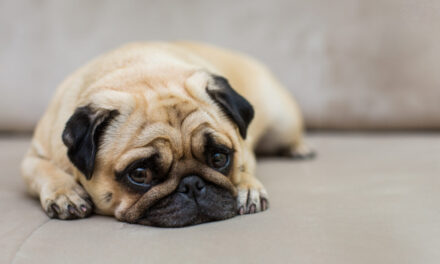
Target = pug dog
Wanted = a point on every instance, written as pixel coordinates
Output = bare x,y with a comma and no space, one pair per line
162,134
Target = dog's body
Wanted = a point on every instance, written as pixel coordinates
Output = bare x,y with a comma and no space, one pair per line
136,129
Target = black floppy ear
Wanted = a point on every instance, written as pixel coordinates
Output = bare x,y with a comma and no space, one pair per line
81,136
238,109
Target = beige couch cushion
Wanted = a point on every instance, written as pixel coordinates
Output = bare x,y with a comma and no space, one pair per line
365,199
350,63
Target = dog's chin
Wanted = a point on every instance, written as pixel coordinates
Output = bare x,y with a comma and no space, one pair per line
178,210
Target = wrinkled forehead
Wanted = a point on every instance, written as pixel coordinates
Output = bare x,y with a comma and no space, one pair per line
179,113
185,141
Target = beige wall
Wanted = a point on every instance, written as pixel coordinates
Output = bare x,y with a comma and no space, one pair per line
350,63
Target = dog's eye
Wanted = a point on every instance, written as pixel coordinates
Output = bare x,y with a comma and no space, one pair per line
219,160
142,176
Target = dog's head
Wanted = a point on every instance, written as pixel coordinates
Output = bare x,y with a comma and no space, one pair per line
162,151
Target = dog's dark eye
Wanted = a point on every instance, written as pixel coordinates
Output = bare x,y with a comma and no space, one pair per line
219,160
141,176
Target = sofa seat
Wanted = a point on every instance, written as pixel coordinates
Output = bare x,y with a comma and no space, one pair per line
366,198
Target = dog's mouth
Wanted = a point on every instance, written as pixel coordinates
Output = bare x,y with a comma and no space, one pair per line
194,202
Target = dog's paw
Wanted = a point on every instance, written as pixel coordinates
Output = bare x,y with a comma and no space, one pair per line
302,152
252,198
66,203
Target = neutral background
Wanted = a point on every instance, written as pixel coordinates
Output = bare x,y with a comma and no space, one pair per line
350,63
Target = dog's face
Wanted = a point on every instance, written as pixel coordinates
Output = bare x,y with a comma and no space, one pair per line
162,151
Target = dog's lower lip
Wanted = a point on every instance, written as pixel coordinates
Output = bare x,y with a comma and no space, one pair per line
199,218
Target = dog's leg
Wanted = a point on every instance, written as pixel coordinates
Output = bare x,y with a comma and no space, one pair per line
60,195
284,133
252,196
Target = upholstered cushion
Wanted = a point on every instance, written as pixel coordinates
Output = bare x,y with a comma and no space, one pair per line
364,199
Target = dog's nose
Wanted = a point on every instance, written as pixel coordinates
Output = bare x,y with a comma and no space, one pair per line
191,186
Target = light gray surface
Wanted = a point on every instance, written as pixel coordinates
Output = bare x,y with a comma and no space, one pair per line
365,199
350,63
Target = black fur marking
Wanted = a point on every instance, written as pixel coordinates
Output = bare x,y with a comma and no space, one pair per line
179,209
108,197
81,136
233,104
212,147
151,163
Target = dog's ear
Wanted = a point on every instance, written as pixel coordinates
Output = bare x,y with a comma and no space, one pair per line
238,109
81,136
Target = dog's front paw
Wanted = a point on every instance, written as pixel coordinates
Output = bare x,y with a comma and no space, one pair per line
66,202
252,198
